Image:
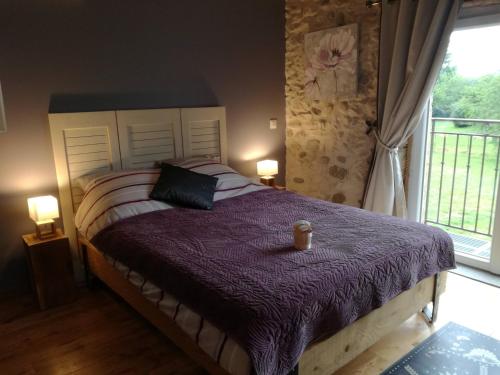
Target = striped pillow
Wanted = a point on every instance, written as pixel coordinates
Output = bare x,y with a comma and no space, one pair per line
119,195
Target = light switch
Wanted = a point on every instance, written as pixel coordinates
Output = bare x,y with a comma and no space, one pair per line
273,124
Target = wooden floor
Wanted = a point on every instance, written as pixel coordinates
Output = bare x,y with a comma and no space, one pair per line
99,334
466,302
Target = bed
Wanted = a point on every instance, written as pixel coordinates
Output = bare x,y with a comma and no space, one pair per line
185,291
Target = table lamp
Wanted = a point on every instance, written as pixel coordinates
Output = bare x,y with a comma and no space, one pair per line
267,169
43,210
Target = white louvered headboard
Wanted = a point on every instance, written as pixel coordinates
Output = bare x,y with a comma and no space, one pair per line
91,142
149,136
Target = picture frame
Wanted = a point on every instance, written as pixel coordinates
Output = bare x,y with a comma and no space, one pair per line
331,66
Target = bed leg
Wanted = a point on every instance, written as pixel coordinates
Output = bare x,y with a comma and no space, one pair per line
295,371
431,316
90,279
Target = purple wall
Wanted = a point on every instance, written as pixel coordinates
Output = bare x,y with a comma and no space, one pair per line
83,55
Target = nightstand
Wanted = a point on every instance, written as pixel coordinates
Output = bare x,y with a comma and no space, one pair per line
279,187
51,269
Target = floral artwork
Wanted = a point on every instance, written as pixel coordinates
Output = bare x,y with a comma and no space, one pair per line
331,63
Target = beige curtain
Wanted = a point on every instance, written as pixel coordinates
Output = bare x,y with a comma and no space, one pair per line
413,43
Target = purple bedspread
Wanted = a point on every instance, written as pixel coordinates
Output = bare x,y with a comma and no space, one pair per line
235,265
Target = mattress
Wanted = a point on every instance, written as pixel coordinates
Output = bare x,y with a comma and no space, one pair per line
231,278
236,267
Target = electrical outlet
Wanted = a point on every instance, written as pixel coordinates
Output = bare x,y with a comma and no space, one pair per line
273,124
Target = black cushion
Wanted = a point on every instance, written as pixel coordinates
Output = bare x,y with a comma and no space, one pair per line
184,187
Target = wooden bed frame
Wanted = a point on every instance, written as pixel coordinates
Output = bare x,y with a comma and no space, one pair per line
82,131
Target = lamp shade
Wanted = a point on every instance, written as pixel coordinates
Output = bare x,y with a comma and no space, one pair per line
43,208
267,167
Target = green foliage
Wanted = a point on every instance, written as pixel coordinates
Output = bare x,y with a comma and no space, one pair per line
457,96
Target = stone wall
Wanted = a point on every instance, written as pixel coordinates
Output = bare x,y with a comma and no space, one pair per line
328,152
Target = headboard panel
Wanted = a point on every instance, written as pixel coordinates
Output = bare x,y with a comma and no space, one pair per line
204,132
92,142
81,142
149,136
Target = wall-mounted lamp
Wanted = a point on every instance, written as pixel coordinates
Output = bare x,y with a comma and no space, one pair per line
267,169
3,121
43,210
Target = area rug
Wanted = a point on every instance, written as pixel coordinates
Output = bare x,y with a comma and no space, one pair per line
452,350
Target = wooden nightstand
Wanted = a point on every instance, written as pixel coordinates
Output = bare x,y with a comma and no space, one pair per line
51,269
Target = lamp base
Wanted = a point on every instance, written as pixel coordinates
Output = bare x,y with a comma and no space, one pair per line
42,232
267,180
